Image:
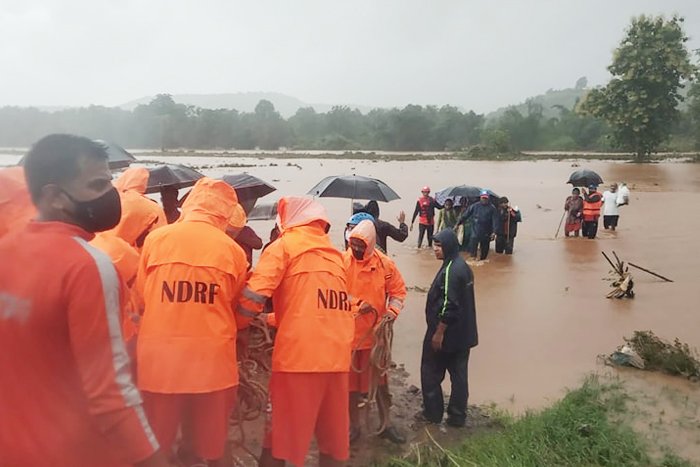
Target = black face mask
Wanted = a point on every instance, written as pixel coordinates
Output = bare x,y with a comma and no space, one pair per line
358,256
99,214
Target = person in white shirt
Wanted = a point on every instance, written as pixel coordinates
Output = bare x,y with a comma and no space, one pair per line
623,194
611,212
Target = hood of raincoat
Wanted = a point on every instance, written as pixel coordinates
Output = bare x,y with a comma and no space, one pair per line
366,232
138,215
211,201
373,208
133,179
16,207
238,220
295,211
449,242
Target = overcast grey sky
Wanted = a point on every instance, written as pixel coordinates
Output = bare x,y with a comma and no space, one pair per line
478,54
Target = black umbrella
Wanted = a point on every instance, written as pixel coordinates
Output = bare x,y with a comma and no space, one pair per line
119,157
263,212
248,186
354,187
585,177
462,191
171,176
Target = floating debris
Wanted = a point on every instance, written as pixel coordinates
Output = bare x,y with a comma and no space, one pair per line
622,282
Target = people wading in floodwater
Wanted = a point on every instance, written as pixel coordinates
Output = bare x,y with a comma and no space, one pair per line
425,207
508,219
574,213
484,225
611,211
592,202
448,216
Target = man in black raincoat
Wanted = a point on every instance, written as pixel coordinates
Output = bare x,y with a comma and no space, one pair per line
484,225
450,313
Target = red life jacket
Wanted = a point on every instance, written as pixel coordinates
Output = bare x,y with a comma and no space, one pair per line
427,213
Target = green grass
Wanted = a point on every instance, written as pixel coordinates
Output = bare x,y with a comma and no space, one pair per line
579,430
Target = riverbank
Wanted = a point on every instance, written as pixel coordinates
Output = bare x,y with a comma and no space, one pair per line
471,155
604,422
428,156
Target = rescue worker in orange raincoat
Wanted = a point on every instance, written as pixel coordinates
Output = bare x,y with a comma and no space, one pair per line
134,181
305,276
16,208
123,244
67,397
372,278
190,275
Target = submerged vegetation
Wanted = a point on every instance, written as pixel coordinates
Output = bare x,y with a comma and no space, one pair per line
675,358
585,428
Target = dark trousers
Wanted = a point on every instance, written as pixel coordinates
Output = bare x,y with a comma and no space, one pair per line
504,244
422,230
481,242
432,373
589,229
610,222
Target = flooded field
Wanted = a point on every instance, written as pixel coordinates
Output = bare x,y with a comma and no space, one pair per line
543,316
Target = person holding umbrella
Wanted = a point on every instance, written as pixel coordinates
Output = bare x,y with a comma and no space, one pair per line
425,207
592,202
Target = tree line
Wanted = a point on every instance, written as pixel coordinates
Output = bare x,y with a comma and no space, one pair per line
641,110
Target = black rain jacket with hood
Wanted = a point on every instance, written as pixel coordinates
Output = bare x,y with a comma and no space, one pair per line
451,298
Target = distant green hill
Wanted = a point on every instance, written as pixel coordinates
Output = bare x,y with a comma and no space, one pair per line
564,97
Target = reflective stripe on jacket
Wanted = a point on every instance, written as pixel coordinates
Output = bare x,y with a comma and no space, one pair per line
67,396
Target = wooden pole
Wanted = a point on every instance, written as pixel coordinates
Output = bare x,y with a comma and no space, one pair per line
650,272
560,222
611,263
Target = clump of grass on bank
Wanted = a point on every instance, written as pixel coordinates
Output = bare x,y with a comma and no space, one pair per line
675,358
579,430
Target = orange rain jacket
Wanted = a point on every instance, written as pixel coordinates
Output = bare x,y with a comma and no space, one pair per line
190,275
304,275
66,396
133,179
376,280
139,215
16,208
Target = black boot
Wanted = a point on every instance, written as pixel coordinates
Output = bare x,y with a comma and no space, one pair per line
393,435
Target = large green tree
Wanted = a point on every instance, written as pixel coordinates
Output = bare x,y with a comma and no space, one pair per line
641,100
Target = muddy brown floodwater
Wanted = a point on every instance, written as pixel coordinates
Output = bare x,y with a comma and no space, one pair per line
542,313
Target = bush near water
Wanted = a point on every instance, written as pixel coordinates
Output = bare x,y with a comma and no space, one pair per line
582,429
